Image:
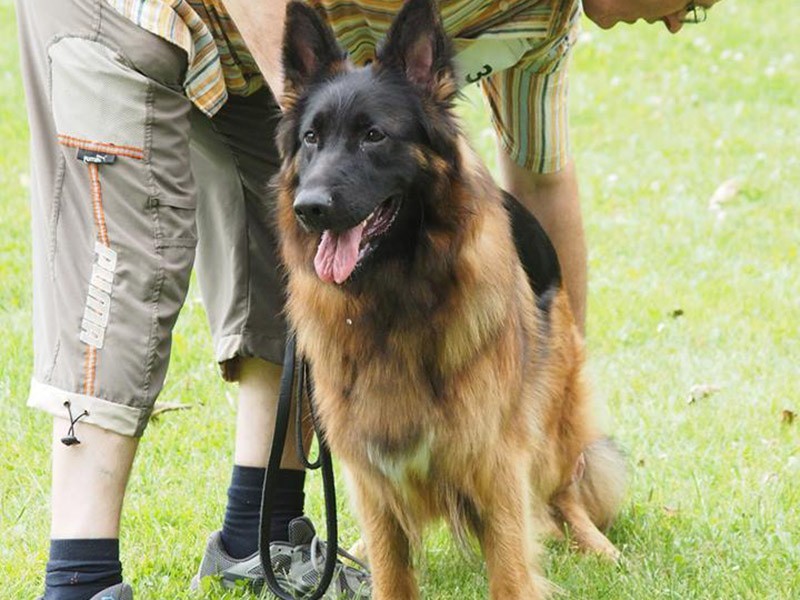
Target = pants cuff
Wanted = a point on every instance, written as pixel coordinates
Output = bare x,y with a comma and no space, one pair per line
119,418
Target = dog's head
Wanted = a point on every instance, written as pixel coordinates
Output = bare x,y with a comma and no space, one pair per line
365,150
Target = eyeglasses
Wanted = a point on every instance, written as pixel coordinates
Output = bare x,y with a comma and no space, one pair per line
694,14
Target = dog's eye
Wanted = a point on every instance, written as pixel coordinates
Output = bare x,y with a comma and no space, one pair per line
374,135
310,137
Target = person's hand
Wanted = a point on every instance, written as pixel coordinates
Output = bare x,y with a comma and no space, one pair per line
673,13
676,20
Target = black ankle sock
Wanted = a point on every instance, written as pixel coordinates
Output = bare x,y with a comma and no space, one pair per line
78,569
288,504
241,525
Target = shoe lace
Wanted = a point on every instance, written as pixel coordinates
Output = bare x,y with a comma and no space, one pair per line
318,549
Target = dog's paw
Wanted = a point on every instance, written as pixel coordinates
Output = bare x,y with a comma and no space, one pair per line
359,550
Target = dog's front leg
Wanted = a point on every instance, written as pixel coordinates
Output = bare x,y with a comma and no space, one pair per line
388,550
508,540
387,545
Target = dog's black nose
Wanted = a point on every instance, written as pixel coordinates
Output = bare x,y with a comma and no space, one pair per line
314,208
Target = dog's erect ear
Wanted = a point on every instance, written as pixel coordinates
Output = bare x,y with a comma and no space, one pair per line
309,49
417,45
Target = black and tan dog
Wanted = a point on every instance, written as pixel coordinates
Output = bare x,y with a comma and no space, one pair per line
448,381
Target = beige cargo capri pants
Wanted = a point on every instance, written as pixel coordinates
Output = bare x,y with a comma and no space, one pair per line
128,181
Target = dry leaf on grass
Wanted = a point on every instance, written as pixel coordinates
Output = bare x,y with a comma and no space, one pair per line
161,408
788,416
726,191
702,391
768,478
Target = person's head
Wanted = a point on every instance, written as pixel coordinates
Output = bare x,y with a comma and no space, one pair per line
673,13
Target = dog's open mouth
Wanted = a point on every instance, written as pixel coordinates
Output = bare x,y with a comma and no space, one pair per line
340,252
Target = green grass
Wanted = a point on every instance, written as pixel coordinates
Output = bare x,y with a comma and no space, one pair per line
658,123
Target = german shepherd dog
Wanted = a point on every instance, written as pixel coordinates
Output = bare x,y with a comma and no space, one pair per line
447,375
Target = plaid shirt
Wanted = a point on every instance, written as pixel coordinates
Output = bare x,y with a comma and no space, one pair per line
219,61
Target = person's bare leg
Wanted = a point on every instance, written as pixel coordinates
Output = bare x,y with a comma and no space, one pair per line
88,481
259,386
553,199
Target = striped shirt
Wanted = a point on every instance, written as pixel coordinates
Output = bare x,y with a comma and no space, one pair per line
219,62
361,24
527,99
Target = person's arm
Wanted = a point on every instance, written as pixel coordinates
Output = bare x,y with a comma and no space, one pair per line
261,26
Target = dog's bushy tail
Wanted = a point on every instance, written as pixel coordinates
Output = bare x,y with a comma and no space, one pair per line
604,481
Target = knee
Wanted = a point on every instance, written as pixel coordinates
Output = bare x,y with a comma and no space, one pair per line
524,183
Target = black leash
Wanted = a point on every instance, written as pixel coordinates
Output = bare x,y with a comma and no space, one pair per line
297,380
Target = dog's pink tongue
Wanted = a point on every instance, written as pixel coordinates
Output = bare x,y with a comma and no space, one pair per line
337,254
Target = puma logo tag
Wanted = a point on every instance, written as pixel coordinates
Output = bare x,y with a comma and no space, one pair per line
98,300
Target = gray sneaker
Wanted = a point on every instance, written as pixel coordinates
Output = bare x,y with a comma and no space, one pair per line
121,591
298,565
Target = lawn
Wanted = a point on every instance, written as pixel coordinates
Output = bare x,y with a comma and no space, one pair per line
693,332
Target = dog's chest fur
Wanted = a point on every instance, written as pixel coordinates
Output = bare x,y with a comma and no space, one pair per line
401,466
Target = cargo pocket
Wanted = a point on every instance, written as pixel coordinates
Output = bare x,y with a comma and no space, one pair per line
564,16
127,196
563,33
85,77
